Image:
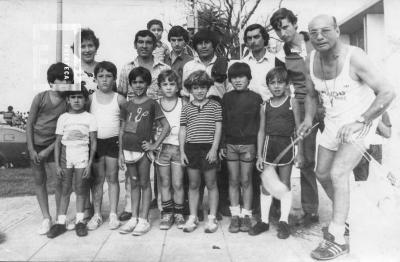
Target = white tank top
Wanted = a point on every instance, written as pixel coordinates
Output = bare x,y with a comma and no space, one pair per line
344,99
107,116
174,117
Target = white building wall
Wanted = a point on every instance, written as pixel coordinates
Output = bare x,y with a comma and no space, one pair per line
375,37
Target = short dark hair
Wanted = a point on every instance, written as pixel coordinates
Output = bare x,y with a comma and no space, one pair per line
306,36
10,108
61,72
144,73
263,32
169,75
177,31
200,78
282,13
105,65
154,22
205,35
239,69
82,91
144,33
278,72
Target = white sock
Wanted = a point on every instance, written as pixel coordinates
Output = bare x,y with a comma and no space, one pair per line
338,232
245,212
61,219
79,217
113,214
235,210
286,205
265,205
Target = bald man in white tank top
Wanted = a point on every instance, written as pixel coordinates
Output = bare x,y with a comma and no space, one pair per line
354,94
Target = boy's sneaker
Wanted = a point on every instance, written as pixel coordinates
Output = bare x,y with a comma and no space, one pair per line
95,222
329,249
142,227
211,225
81,229
44,227
234,226
191,224
283,230
129,226
179,220
56,230
114,223
166,221
258,228
245,223
70,224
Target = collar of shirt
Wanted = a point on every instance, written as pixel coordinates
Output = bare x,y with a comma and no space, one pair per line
156,62
267,56
197,60
175,56
302,51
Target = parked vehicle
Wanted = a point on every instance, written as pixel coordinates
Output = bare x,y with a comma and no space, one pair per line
13,149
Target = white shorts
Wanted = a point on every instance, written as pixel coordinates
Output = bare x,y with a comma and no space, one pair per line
132,157
328,137
75,156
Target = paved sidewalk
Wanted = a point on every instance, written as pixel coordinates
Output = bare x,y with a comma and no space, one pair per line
21,218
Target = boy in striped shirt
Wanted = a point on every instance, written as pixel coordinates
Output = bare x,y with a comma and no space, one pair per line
199,137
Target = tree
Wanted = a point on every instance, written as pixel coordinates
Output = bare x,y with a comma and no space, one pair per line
228,18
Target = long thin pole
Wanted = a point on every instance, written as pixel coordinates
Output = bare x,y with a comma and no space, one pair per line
59,31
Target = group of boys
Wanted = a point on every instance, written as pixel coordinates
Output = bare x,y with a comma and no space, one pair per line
335,77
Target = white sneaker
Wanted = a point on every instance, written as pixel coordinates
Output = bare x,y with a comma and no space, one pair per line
129,226
44,227
212,225
141,228
191,224
70,225
95,222
114,223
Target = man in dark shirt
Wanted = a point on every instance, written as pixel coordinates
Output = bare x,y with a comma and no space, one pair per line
293,57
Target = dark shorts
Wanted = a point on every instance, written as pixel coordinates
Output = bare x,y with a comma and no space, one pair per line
244,153
273,146
38,149
107,147
196,155
168,154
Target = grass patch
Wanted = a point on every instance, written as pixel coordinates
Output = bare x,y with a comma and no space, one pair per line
19,182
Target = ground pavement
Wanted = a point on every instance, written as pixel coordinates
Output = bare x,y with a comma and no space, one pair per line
20,218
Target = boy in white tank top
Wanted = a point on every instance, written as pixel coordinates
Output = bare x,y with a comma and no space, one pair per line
345,79
105,106
168,159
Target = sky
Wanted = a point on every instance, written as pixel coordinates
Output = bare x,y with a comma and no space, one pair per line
28,48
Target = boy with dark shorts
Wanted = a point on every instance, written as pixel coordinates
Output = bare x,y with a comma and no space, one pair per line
46,107
199,138
241,119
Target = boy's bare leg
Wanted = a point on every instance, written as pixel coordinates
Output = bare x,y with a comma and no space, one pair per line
284,173
40,179
234,174
81,188
165,182
128,203
194,184
66,190
324,164
135,190
98,183
144,180
50,168
111,167
177,183
211,183
246,181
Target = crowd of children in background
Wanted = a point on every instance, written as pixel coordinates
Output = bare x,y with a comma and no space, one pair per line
86,139
15,119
